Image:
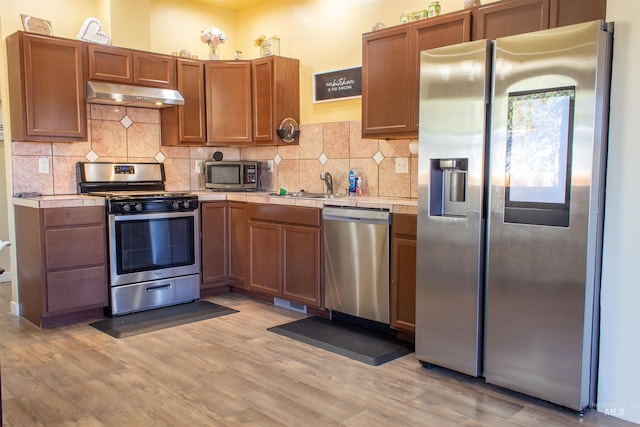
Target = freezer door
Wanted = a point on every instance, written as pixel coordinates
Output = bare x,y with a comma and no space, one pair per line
545,224
450,244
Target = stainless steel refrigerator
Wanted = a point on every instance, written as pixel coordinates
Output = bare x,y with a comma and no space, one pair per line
512,154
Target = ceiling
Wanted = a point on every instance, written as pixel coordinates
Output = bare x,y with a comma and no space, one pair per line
232,4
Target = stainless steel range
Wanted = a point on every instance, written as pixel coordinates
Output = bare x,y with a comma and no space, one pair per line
153,235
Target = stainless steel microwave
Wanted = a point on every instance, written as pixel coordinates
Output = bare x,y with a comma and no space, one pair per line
232,176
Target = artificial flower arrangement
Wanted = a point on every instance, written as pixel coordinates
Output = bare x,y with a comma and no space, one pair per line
258,42
213,36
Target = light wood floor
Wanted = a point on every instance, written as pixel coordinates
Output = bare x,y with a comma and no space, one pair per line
230,371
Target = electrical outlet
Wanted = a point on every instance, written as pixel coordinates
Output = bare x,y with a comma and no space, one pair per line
43,165
199,166
269,165
402,165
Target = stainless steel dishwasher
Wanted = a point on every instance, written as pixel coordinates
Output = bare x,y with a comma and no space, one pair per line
356,261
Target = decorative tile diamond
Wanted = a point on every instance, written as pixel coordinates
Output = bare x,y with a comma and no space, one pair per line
378,157
323,158
126,121
92,156
160,157
277,159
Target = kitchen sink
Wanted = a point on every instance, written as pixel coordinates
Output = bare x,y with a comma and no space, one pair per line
304,194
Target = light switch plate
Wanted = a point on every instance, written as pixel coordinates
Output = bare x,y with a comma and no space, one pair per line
402,165
43,164
199,167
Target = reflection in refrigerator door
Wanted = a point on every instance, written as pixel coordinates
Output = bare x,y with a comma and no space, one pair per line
508,279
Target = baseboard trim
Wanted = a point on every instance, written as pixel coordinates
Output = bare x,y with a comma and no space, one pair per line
15,308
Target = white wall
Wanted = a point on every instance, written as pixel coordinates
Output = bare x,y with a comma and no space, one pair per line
619,373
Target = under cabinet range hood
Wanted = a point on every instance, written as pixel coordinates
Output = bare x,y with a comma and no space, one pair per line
135,96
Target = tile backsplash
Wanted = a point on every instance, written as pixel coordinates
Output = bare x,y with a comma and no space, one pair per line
120,134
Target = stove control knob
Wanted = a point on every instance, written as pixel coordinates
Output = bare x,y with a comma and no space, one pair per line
186,204
126,207
175,205
138,207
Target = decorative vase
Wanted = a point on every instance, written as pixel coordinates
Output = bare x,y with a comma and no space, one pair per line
214,53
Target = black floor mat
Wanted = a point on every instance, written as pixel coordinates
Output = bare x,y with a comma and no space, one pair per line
356,342
160,318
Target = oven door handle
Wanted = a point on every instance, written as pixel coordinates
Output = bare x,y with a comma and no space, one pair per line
158,287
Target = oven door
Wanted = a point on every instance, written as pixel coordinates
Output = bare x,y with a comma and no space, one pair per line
147,247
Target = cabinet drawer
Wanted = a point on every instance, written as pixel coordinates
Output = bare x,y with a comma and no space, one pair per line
74,289
60,217
75,247
284,214
404,224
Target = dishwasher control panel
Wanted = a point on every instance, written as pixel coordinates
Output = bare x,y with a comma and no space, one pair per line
356,214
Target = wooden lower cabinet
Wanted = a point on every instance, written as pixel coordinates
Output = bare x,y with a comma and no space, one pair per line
214,244
403,272
284,255
62,263
237,235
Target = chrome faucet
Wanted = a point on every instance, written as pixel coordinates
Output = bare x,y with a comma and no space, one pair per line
328,179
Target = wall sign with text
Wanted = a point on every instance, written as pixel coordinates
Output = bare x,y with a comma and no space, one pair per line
337,85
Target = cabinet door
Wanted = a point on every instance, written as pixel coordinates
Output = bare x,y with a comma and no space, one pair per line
237,239
264,257
75,247
510,17
150,69
403,284
301,264
430,33
263,100
228,97
402,296
214,243
185,124
72,290
46,81
386,82
567,12
110,64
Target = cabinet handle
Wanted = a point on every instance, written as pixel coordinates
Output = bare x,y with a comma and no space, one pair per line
158,288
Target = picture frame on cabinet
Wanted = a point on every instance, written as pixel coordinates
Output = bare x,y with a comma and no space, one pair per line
337,85
32,24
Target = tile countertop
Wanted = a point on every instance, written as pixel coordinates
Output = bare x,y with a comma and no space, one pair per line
394,204
64,201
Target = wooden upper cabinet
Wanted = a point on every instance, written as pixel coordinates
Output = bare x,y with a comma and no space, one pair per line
46,85
228,100
444,30
120,65
510,17
567,12
275,96
152,69
386,82
110,64
391,71
186,124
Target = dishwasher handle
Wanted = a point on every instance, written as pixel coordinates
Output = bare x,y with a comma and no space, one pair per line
361,215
